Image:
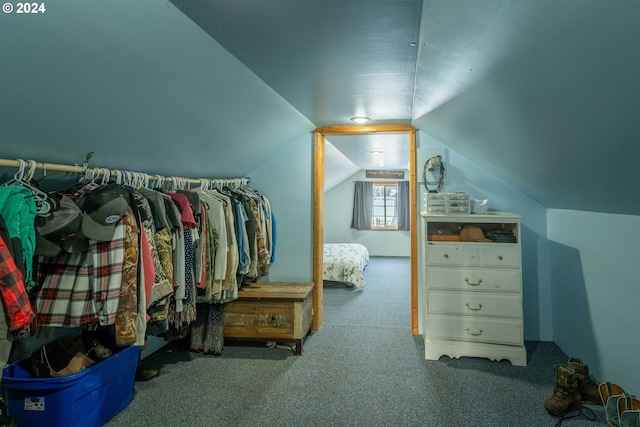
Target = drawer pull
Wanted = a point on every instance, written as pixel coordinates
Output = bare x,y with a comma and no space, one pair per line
474,309
466,279
446,256
500,257
475,335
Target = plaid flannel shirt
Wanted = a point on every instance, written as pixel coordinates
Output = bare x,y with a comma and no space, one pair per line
80,289
13,292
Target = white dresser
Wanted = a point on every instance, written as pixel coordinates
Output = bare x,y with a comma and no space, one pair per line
472,291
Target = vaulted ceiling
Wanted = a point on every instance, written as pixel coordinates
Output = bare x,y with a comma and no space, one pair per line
541,93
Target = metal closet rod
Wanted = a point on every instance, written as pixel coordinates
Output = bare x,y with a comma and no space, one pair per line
82,169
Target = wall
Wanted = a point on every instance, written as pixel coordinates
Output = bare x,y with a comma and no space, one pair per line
462,174
338,208
596,294
287,180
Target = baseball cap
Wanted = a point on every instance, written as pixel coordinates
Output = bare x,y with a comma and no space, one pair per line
60,229
103,208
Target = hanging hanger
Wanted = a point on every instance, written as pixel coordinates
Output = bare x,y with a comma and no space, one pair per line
106,176
145,180
137,178
129,178
89,175
43,207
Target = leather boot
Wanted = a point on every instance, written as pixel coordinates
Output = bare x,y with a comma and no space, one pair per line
587,388
566,397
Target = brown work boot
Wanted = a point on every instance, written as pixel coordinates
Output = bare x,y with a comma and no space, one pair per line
144,373
566,397
587,387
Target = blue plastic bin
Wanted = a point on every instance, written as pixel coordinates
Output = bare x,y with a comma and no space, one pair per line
89,398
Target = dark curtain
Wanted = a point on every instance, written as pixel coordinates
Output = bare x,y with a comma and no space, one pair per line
362,205
404,214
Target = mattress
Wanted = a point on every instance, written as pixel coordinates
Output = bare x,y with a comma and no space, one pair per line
345,263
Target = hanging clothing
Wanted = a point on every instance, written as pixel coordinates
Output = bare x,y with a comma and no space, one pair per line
161,286
18,209
127,314
175,258
15,301
217,221
207,331
84,288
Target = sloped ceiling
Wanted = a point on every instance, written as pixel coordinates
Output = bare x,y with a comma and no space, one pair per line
338,167
539,92
331,59
141,85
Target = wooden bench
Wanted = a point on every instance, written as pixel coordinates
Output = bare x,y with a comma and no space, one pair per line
270,311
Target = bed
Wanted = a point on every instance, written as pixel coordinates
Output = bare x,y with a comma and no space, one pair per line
345,263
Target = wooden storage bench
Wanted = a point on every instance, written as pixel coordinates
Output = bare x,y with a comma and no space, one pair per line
270,311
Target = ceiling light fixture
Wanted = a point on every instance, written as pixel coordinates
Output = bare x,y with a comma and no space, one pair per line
360,120
375,152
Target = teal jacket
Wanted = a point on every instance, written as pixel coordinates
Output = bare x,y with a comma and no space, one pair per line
18,209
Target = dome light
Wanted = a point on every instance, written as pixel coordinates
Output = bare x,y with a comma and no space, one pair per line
360,120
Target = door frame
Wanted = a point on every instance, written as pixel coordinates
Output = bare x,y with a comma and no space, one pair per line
318,211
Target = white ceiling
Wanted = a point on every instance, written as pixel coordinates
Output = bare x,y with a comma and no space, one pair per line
347,154
374,151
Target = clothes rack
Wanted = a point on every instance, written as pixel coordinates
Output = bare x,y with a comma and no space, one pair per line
116,173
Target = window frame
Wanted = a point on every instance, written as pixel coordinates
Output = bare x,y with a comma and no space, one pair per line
384,184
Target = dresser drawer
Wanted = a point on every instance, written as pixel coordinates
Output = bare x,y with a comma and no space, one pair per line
475,304
445,254
477,329
500,255
474,279
505,255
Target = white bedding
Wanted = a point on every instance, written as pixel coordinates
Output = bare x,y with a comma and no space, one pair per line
345,262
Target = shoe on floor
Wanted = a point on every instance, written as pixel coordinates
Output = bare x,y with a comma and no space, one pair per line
144,374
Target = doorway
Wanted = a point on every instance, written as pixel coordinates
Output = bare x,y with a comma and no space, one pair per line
318,210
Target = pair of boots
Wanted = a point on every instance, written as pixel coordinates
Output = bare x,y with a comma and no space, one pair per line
574,386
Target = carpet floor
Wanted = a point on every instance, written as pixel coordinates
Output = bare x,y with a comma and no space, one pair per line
361,368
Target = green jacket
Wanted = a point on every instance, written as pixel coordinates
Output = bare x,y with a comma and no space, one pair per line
18,209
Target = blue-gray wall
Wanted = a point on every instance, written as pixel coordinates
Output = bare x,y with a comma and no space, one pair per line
287,180
596,291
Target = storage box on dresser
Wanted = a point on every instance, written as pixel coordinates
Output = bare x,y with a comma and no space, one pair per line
270,311
473,290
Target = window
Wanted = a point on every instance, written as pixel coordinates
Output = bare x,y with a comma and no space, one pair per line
385,202
381,206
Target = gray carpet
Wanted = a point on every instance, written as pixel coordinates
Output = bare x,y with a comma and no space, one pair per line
362,368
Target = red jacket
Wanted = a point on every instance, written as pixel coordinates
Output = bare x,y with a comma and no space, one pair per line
13,293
